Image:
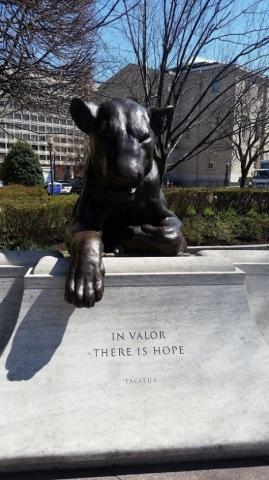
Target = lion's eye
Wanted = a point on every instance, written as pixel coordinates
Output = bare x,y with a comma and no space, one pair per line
145,138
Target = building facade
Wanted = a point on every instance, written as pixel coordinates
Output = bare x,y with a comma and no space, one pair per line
215,162
52,137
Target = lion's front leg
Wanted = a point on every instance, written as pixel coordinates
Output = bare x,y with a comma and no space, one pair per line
85,280
165,239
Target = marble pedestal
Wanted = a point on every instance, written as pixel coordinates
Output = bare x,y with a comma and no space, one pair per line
170,366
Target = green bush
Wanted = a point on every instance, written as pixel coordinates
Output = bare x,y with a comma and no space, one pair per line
208,212
21,166
222,229
190,211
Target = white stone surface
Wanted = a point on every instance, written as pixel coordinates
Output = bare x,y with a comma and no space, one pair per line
240,256
145,265
66,403
25,258
13,266
255,264
11,291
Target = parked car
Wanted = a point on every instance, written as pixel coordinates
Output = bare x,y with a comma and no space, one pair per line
77,184
260,178
59,188
66,187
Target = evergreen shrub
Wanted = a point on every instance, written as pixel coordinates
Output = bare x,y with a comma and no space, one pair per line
21,166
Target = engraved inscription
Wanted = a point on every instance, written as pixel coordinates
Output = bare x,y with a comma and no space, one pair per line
162,348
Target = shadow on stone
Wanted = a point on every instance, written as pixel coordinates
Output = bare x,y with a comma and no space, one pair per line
38,336
9,311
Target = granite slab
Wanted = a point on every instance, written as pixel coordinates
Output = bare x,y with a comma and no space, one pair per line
153,373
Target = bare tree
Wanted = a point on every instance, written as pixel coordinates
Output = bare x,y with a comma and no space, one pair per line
168,37
247,134
47,50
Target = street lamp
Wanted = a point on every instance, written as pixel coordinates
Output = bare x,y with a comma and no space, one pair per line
227,171
50,145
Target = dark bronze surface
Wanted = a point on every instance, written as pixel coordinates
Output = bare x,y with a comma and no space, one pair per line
122,207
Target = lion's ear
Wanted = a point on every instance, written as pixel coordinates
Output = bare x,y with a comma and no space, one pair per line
84,114
159,118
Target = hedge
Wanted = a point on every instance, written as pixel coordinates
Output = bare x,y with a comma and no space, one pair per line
30,222
242,200
29,218
19,192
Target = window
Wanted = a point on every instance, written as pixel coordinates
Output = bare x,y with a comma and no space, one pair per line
211,160
26,136
55,120
245,127
41,118
26,117
49,119
17,116
70,122
34,118
215,87
41,128
49,129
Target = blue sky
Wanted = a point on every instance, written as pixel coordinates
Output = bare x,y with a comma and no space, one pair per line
117,52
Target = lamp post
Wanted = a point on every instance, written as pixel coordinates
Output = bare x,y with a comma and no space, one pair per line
226,178
50,145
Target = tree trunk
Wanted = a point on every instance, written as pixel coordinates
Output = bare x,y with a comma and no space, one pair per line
243,178
161,163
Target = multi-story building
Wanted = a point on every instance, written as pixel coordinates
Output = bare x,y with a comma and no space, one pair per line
51,136
215,162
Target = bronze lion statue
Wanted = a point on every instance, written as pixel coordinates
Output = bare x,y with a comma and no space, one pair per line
122,206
